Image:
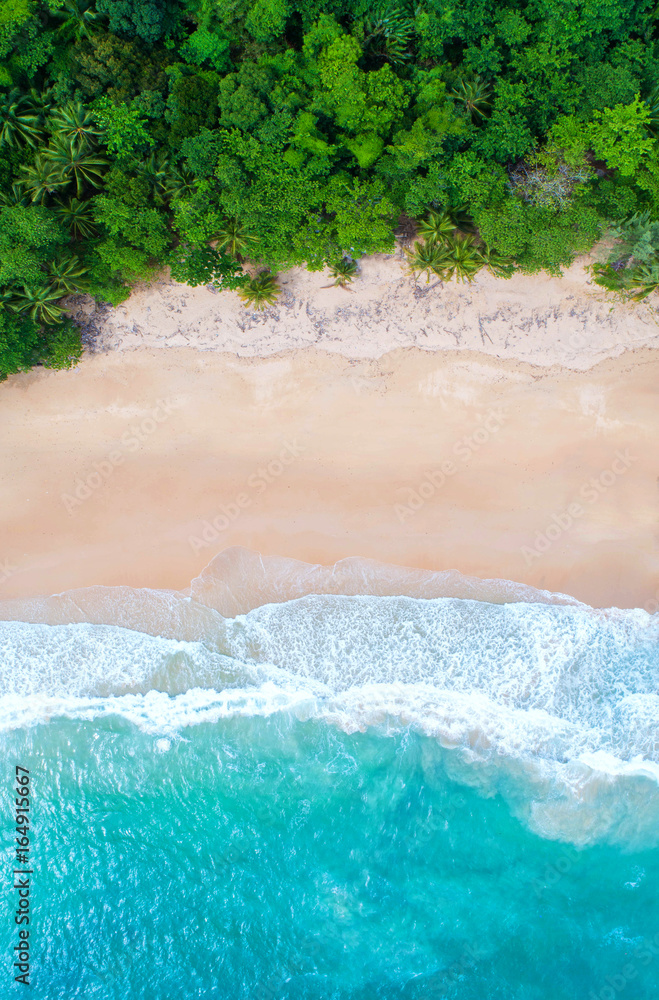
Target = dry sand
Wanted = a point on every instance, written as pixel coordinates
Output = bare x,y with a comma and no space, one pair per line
543,320
139,466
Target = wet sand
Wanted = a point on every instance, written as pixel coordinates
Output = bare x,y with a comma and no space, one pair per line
139,466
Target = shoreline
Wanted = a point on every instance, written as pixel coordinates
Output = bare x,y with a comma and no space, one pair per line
440,461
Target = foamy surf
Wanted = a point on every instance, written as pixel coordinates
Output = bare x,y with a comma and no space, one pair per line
238,580
553,705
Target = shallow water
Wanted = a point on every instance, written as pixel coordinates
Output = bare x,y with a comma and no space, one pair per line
336,796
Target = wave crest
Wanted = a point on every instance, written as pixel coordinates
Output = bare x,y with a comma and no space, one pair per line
549,702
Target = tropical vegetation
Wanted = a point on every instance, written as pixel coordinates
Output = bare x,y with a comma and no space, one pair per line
342,272
231,139
260,291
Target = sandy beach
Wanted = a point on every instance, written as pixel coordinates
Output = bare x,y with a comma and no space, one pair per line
142,464
540,319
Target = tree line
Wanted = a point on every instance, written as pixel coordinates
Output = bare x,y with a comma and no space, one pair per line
509,134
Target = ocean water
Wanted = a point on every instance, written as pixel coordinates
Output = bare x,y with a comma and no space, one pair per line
296,784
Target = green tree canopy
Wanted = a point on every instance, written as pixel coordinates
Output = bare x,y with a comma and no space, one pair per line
264,133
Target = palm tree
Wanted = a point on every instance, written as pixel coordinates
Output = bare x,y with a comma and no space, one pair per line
389,32
40,103
610,276
40,304
260,291
436,226
16,195
74,121
179,184
157,172
166,181
464,259
343,272
75,161
18,121
42,179
77,20
474,95
643,281
67,275
652,101
234,237
461,219
632,281
77,216
428,256
496,263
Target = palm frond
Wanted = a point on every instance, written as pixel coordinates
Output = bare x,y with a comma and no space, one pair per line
261,291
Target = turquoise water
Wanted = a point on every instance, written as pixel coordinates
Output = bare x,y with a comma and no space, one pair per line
338,797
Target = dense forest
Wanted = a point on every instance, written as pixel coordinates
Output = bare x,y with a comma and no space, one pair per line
203,134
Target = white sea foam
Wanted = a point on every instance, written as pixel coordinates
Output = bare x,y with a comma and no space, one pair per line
85,659
553,706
